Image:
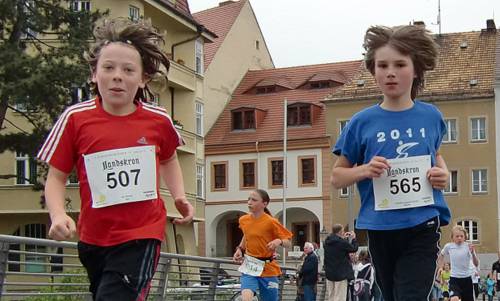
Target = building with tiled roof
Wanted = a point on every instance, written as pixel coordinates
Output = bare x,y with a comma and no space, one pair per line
239,47
244,151
463,87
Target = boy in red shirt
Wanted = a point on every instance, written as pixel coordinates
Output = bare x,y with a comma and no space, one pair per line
120,146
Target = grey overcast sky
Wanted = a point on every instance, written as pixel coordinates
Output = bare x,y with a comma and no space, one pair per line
308,32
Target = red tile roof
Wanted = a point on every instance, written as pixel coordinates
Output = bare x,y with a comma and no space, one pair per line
463,57
218,20
181,6
271,128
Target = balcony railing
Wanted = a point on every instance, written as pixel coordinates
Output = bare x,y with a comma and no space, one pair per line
41,269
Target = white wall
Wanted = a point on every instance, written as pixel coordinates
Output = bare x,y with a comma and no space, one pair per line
293,190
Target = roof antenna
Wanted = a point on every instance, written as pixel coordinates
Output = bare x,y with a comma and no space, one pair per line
439,17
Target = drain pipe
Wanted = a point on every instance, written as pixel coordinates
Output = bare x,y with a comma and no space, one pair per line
199,30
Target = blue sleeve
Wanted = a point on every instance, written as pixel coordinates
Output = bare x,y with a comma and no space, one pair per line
442,131
348,145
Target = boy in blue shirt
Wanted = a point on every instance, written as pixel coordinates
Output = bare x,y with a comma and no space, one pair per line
391,151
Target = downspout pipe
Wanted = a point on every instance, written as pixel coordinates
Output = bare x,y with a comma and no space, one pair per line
199,31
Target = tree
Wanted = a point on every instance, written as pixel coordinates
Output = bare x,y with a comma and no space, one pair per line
41,53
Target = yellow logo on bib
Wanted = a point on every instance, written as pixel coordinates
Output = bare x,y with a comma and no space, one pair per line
102,199
384,203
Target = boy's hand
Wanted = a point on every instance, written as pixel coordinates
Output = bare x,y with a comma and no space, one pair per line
185,209
63,227
438,177
376,167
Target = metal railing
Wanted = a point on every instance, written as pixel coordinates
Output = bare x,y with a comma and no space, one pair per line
41,270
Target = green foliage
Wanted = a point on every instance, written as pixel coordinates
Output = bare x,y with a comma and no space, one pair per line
64,289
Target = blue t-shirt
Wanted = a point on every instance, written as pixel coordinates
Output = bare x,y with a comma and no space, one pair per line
393,134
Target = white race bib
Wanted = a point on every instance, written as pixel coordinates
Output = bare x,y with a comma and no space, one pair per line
252,266
404,185
122,175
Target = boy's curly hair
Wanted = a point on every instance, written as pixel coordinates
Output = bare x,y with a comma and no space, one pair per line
139,34
412,40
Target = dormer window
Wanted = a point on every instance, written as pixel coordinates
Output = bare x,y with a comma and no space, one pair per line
243,119
265,90
299,114
320,84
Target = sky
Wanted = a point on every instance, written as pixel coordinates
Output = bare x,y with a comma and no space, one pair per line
323,31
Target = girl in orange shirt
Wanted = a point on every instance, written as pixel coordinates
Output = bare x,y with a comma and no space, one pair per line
262,234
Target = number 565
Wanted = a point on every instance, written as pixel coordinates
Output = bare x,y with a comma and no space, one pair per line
405,185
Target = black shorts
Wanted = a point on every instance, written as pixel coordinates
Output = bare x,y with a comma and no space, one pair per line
122,272
462,287
405,260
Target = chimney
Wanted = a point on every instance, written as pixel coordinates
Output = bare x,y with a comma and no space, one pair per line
490,25
419,24
226,2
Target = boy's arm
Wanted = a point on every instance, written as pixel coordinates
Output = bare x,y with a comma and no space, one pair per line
345,174
439,175
171,174
62,226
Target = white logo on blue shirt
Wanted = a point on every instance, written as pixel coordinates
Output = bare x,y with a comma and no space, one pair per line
402,149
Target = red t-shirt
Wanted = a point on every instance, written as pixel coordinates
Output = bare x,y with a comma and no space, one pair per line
86,128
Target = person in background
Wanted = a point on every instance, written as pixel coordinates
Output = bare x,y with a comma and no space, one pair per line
338,266
309,272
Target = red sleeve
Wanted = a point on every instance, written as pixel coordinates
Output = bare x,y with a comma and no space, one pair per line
58,149
171,139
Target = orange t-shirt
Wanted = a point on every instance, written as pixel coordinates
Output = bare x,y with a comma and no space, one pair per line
258,233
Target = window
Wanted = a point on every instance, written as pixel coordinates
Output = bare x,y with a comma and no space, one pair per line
452,183
26,169
80,5
199,56
479,181
21,106
299,115
451,131
264,90
257,46
478,129
199,118
244,120
344,192
470,227
248,174
219,176
320,84
155,99
133,13
200,181
15,256
72,178
29,6
78,94
342,125
307,171
33,260
275,172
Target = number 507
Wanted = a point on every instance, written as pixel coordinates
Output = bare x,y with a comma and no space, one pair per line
405,185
